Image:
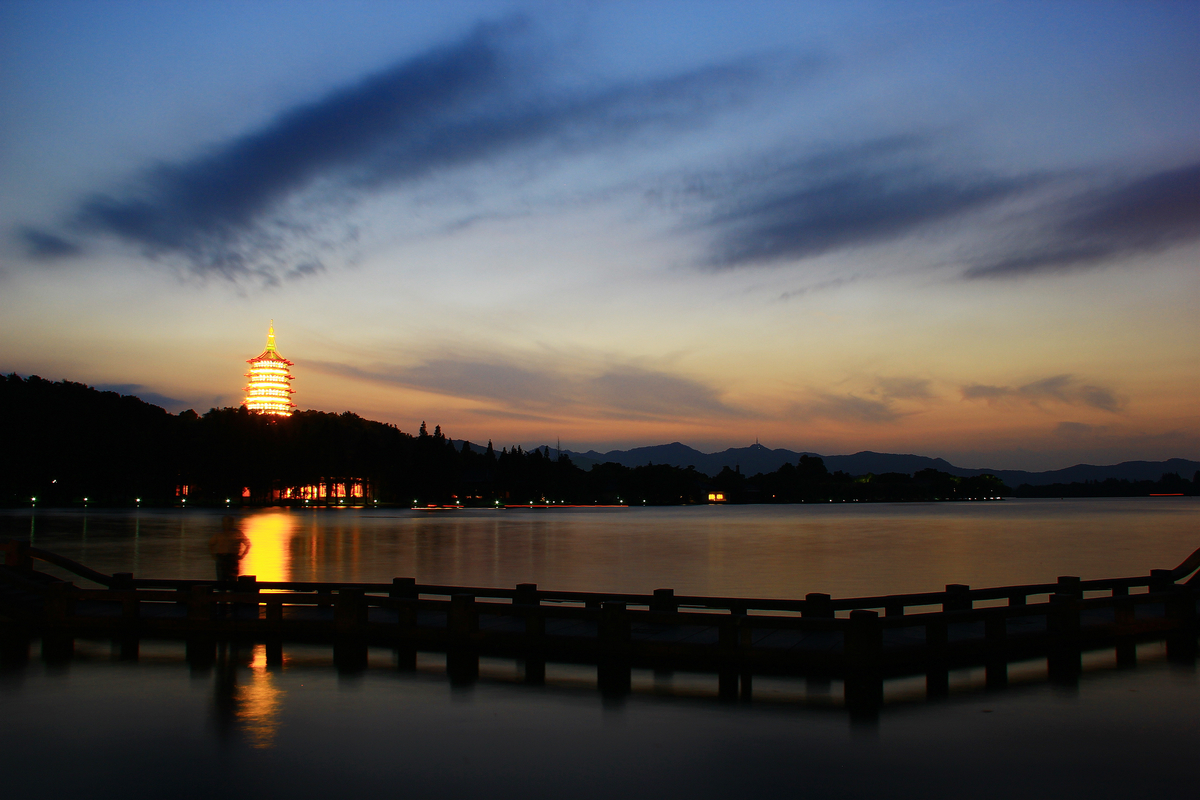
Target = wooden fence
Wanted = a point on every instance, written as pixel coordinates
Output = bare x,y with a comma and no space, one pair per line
862,640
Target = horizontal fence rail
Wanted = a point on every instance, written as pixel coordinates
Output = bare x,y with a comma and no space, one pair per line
861,640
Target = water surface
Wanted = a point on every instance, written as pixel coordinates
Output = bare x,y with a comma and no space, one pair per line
97,726
764,551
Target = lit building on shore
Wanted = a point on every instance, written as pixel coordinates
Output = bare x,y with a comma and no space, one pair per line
270,390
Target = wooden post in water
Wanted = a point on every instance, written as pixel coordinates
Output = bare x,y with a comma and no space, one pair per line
729,640
58,642
1181,613
462,659
246,584
1070,585
864,668
995,634
1124,622
201,646
817,606
274,644
404,591
937,674
526,596
1064,658
127,644
664,601
613,668
957,597
349,621
1160,580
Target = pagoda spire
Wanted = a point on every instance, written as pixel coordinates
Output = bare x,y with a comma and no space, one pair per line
270,390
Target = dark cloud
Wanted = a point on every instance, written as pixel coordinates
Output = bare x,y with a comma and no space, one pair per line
1059,388
842,198
501,381
227,211
849,408
42,245
1138,216
535,391
630,391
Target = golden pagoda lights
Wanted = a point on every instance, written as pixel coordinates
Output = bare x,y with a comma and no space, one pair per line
270,388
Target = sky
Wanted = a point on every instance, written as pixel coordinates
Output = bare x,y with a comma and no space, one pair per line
958,229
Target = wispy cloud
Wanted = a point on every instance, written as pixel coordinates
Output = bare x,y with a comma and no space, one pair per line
848,408
803,206
1142,215
1064,389
530,391
234,210
904,388
43,245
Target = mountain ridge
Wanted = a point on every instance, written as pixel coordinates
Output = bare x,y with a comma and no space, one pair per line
759,458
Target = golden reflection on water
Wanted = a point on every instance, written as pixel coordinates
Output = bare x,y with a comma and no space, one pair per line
270,556
258,703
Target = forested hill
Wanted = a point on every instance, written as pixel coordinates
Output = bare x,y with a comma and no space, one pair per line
65,441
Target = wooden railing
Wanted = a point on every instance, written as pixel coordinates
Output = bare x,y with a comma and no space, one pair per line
880,636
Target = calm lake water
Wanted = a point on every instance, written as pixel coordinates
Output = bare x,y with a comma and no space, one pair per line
763,551
101,727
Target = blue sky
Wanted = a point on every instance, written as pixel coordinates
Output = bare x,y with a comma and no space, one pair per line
958,229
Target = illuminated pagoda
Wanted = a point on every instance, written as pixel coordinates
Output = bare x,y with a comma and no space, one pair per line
270,388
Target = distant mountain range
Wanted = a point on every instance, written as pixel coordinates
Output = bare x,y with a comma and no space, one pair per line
757,458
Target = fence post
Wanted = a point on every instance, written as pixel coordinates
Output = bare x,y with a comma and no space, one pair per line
201,646
526,595
200,605
58,643
729,641
664,601
463,619
613,669
957,598
462,660
937,674
349,611
404,592
817,606
995,634
1160,580
864,653
403,588
1181,612
1070,585
1124,627
349,623
274,644
1063,659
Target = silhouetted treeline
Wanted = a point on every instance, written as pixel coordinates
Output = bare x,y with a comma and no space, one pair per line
1169,483
65,441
